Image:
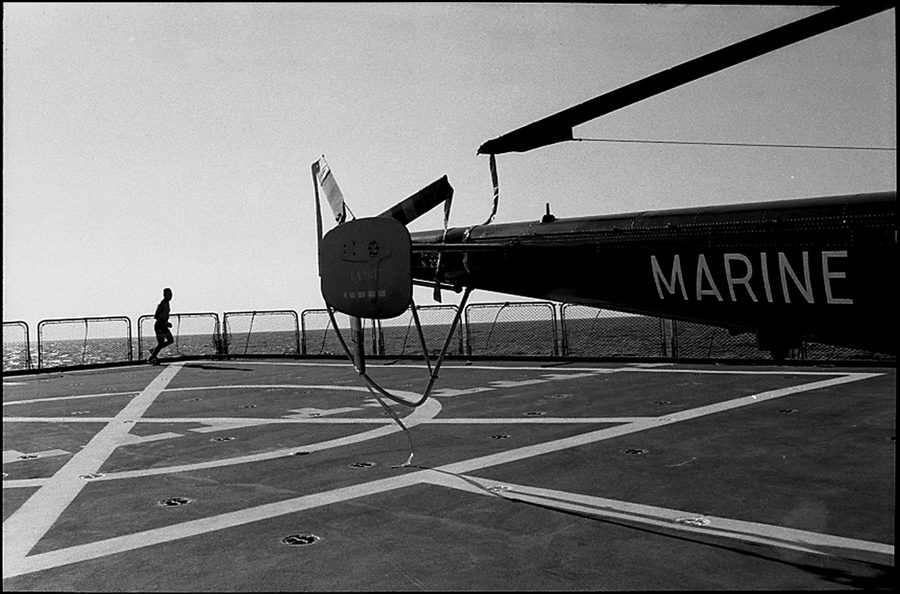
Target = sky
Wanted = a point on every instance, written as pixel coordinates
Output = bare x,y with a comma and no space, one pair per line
169,145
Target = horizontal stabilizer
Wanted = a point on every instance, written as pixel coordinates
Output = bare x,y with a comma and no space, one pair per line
421,202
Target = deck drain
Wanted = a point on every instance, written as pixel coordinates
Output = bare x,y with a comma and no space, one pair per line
535,413
192,399
636,451
248,406
300,454
362,465
299,540
693,521
787,410
499,436
28,457
557,396
80,412
174,501
661,402
496,488
221,439
90,476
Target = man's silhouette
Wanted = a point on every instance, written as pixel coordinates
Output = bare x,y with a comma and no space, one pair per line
161,327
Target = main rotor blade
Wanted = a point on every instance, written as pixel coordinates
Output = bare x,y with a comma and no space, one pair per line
558,127
409,209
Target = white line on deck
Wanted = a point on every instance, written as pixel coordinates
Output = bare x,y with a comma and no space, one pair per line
746,530
428,410
540,420
28,524
609,433
457,366
221,423
55,398
13,456
755,532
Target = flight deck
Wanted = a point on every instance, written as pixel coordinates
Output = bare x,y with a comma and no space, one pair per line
282,474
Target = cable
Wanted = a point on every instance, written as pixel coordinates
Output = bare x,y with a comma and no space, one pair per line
84,348
325,337
406,336
493,324
250,330
742,144
377,390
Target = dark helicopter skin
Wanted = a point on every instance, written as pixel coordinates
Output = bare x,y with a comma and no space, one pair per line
817,269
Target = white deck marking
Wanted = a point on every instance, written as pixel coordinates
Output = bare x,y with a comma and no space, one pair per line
768,534
729,528
454,366
24,483
146,538
10,456
224,423
540,420
230,422
135,439
28,524
451,392
310,412
446,392
56,398
611,432
333,387
410,395
214,425
650,364
428,410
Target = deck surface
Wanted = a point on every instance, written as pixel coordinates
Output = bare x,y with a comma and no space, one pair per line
191,476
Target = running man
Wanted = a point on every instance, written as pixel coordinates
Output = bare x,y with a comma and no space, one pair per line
161,327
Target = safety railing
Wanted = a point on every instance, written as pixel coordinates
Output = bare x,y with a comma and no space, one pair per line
195,334
84,341
401,338
592,332
319,336
16,346
512,329
699,341
261,333
487,329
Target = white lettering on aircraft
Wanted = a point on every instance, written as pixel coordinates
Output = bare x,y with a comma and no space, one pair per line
828,275
703,271
737,271
364,294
